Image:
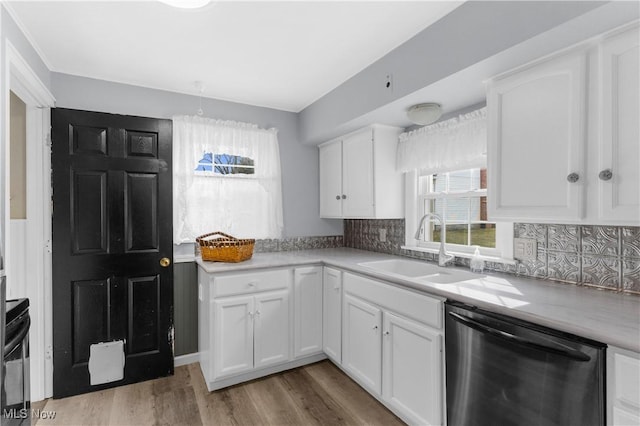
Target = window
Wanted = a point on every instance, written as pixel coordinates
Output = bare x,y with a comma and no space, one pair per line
445,165
460,198
224,164
226,177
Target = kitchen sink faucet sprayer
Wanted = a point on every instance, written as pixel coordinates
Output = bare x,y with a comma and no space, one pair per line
444,258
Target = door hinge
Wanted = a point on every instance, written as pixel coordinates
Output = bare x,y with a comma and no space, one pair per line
47,246
47,140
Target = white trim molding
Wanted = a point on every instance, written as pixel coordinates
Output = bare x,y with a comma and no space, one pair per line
186,359
20,78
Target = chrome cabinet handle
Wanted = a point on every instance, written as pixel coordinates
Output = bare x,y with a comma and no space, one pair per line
250,314
386,333
337,197
258,312
375,327
344,197
605,175
573,177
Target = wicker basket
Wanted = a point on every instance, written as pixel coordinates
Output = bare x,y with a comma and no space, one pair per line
226,248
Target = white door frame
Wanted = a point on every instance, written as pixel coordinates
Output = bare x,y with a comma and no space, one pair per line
23,81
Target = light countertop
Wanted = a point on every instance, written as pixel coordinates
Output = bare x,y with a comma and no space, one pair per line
608,317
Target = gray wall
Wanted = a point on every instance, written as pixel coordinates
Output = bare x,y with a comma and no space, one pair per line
185,308
471,33
300,187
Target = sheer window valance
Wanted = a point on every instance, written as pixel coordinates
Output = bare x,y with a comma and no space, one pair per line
226,177
456,144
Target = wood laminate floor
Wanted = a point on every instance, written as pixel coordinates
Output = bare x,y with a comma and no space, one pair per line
316,394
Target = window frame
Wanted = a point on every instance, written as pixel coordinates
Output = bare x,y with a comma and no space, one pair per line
415,210
215,174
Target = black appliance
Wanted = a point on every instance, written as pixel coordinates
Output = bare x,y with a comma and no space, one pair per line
504,371
16,401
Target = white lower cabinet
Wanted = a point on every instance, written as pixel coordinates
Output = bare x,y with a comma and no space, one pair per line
388,339
623,387
271,329
307,322
412,367
394,348
246,323
332,314
233,335
250,332
362,343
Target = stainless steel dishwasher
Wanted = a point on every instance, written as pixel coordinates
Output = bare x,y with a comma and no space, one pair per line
503,371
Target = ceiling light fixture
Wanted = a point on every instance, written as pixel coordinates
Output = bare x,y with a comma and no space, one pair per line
186,4
424,114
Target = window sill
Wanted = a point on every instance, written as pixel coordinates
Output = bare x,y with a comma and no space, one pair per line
461,254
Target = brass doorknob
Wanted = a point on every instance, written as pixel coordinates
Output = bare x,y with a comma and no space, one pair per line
164,262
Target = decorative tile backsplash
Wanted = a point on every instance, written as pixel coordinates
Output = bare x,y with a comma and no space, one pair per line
298,243
600,256
364,234
606,257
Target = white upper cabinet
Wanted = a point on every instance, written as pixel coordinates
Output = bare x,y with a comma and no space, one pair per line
618,170
536,141
564,138
358,177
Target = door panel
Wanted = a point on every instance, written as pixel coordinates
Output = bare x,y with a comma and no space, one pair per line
112,220
308,311
412,369
271,340
620,150
90,316
87,140
141,207
362,344
89,222
143,314
233,332
331,180
332,317
357,172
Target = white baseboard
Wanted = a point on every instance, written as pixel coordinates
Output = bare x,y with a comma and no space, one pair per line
185,359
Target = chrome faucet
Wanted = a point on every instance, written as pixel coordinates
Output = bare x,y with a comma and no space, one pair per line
444,258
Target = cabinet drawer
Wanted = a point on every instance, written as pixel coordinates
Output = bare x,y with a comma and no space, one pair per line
419,307
230,285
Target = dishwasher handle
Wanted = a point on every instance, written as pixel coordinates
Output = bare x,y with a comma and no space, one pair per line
477,325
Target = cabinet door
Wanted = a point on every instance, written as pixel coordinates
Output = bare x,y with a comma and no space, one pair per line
623,387
233,335
332,314
331,180
619,195
357,175
536,140
361,343
271,328
412,370
308,311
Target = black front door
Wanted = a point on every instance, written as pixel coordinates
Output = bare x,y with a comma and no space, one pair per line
112,245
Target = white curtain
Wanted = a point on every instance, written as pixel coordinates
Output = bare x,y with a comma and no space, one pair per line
456,144
245,206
